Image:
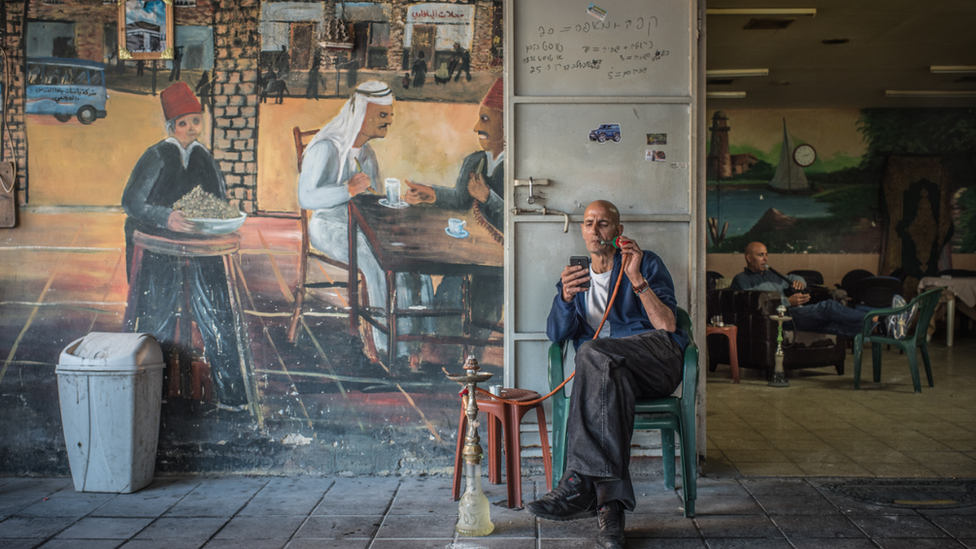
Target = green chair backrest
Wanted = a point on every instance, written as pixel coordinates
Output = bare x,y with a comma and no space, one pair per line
927,302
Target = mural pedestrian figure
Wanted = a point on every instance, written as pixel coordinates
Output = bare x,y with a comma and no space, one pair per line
419,71
281,62
154,77
204,91
339,164
312,86
480,184
452,63
464,64
165,173
352,73
174,73
140,67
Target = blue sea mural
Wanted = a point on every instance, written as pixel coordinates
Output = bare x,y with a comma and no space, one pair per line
809,181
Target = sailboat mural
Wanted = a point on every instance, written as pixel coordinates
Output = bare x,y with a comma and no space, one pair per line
789,176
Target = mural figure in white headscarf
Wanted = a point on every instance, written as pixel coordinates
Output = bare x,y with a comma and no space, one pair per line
339,164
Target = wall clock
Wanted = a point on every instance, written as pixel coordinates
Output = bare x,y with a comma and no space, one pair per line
804,155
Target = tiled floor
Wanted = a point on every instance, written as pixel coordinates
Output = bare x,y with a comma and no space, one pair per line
821,426
387,513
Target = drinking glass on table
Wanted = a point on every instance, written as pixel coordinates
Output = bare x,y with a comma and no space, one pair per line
392,191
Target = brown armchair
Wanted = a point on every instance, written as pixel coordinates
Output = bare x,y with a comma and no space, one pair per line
749,311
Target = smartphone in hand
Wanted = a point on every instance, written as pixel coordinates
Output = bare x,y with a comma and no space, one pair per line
584,262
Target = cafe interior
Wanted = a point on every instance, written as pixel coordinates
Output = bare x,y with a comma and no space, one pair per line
794,70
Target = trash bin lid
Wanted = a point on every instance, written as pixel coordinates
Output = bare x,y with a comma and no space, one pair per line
105,351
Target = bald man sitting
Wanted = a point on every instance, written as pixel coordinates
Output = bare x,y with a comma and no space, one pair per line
826,317
638,354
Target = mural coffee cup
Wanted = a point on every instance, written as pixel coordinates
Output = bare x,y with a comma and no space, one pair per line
455,225
392,191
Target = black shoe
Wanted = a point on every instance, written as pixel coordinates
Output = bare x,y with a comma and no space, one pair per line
574,498
611,520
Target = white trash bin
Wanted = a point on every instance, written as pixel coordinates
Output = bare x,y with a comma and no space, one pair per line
110,386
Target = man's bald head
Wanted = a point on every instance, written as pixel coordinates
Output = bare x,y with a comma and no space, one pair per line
756,257
612,212
601,223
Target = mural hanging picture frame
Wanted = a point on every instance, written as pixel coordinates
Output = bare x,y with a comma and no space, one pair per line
146,29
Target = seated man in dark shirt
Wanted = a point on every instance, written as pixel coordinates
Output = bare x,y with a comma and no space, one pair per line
826,317
637,355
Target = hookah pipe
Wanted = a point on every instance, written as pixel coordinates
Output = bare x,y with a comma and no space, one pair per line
616,243
790,290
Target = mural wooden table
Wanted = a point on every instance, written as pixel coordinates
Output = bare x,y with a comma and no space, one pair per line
414,240
963,288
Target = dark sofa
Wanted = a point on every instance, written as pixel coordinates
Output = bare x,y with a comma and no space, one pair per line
749,311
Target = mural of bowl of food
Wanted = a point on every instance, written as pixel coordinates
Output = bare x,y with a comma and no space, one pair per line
209,214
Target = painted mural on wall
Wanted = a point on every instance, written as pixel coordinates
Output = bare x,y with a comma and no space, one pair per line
359,150
809,181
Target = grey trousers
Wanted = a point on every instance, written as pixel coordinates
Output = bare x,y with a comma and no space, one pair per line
611,375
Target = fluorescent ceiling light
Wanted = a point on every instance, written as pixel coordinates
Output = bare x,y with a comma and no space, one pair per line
930,93
725,95
735,73
812,12
941,69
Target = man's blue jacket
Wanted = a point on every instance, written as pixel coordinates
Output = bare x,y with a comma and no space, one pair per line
627,315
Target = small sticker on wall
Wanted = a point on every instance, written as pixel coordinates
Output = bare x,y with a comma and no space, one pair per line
655,156
606,132
597,11
679,165
657,139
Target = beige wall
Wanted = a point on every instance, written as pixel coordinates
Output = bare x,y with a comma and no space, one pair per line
833,267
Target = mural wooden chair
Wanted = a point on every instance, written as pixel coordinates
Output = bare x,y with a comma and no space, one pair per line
307,251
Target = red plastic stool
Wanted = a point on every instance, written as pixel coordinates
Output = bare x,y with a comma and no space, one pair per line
731,332
508,416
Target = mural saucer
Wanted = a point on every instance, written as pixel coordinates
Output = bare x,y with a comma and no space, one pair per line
460,234
399,205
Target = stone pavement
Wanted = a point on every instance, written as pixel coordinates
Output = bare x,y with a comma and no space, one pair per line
247,512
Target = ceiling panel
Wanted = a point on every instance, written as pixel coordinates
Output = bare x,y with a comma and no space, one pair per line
892,44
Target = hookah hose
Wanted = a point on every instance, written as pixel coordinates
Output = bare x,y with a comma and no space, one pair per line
615,243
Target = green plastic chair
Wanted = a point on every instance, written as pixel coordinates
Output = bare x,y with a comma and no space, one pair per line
670,415
926,303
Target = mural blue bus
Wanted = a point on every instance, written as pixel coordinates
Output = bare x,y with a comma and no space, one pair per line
65,88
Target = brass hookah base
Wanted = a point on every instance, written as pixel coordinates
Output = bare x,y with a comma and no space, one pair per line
779,374
474,514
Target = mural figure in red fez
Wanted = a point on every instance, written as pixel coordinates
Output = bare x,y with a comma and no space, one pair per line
481,179
482,174
166,172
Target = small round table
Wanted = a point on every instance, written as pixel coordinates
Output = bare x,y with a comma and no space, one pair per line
731,332
509,418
